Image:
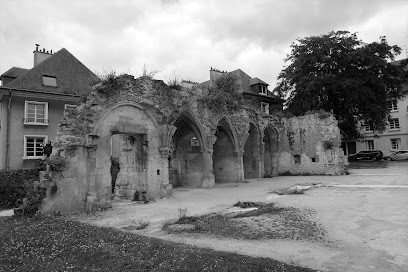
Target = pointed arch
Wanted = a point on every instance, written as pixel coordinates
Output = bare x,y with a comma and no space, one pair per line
189,118
186,160
226,159
227,125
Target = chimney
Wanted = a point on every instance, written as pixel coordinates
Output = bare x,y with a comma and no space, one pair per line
214,75
39,55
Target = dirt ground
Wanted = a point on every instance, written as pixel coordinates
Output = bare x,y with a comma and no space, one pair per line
364,214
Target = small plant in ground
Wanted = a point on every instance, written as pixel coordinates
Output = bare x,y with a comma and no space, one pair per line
289,191
183,218
31,204
139,225
182,212
247,204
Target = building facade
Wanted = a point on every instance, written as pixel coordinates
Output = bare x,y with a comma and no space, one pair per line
394,138
33,101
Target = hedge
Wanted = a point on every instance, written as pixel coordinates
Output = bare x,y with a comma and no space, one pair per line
14,185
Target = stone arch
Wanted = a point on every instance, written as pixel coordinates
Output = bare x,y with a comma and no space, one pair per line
227,158
186,160
139,141
107,111
270,142
252,156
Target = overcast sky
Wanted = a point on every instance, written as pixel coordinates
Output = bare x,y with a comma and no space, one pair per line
184,38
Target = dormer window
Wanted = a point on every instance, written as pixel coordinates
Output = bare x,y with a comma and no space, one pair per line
368,127
49,81
263,89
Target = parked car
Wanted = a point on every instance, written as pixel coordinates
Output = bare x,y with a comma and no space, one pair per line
397,155
366,155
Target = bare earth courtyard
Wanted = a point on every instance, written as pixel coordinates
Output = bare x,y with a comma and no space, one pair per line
364,215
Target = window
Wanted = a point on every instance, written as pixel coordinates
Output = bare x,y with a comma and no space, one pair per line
394,123
33,146
297,159
36,113
392,105
369,144
195,145
68,108
49,81
368,128
263,89
395,143
265,107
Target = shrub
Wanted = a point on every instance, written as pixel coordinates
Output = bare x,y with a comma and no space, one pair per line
56,162
32,202
14,185
328,144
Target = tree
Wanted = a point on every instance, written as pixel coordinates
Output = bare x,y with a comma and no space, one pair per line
339,73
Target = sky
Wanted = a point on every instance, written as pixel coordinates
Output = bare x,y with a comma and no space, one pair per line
183,38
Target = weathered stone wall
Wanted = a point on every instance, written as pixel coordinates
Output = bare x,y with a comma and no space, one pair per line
311,145
156,125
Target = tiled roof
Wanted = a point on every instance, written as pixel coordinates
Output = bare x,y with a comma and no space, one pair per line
15,72
72,76
257,81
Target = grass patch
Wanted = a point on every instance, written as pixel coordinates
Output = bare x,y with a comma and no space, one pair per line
266,222
57,244
289,191
247,204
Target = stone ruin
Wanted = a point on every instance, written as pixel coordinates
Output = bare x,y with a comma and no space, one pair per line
167,137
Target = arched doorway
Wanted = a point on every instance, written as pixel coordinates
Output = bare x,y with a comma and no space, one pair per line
251,157
270,159
186,161
223,154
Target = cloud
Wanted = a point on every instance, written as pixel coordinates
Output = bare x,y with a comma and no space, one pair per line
185,38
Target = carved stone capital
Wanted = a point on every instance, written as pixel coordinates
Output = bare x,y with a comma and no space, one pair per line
165,133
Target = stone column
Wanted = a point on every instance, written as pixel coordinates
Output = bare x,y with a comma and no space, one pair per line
239,165
166,189
262,160
208,171
165,134
275,163
208,166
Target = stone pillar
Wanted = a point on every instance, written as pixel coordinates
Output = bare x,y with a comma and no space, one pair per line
166,189
239,165
208,171
261,160
275,164
165,134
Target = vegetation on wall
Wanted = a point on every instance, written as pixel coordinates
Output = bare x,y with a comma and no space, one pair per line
224,97
167,101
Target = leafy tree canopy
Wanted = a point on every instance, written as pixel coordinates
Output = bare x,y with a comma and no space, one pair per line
339,73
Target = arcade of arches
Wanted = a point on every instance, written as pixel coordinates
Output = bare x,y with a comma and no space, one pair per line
161,148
